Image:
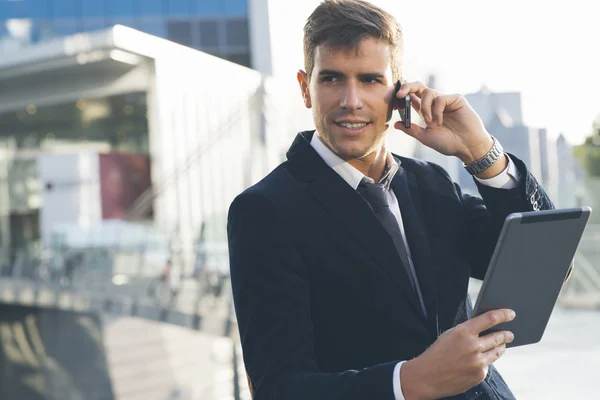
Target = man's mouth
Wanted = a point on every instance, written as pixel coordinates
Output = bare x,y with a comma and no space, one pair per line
353,125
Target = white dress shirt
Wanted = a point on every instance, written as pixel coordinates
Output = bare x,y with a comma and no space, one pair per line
507,179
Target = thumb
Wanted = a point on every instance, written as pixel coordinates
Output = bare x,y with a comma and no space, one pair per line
416,131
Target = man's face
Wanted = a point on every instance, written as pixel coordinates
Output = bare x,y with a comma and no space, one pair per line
350,95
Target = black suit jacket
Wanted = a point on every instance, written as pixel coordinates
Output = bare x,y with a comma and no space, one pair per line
324,307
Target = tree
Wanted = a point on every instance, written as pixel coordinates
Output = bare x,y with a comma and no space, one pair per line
588,153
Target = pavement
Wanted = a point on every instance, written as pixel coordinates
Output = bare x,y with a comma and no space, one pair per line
149,360
564,365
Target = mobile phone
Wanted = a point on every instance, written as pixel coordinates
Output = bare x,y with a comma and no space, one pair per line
403,107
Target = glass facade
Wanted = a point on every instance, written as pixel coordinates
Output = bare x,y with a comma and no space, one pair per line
218,27
115,124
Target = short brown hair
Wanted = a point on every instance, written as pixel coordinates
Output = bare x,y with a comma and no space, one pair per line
343,24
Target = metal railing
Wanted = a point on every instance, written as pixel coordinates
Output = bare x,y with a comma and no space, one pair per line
583,289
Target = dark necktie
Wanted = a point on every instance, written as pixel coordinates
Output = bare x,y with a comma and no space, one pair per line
375,194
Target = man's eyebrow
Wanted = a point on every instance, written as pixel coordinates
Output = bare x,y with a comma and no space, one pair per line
372,75
330,72
364,76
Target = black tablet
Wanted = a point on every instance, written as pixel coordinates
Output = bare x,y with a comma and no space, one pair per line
528,268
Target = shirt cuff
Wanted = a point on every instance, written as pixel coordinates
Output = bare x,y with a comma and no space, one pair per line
397,384
507,179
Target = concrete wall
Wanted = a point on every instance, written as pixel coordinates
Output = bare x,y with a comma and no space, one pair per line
50,354
151,360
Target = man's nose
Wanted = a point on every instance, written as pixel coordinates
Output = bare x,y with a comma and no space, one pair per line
351,99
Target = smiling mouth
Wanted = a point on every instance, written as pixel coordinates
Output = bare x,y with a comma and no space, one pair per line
353,126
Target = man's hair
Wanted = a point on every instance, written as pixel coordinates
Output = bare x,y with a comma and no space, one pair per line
343,24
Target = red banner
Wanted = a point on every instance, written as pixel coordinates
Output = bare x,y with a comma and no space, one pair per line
123,178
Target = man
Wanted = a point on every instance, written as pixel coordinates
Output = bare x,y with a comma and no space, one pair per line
350,265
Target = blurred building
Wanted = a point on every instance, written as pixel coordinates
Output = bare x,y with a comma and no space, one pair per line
550,161
218,27
165,82
571,177
502,116
166,134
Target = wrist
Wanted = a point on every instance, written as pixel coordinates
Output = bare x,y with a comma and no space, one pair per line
413,381
496,169
488,165
477,152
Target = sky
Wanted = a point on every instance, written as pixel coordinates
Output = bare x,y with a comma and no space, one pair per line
547,50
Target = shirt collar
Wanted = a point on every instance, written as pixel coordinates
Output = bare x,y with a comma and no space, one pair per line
350,174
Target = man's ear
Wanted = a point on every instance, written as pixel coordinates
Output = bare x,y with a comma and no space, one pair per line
304,88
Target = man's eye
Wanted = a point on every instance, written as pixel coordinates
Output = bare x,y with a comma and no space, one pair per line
372,80
330,78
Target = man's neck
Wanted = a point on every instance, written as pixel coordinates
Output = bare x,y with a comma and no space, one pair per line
372,165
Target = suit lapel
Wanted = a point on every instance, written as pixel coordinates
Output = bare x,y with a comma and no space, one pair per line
407,192
352,212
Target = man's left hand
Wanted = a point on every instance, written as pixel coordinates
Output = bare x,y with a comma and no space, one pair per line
452,127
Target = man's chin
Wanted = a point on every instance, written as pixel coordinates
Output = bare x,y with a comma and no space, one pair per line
350,153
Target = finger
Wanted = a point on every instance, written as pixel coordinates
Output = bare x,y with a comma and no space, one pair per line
415,130
426,102
493,340
417,88
415,102
491,356
437,109
443,103
490,319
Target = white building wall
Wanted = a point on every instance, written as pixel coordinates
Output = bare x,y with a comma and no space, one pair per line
74,198
204,141
551,185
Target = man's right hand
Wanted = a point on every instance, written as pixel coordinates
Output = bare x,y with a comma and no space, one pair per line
458,360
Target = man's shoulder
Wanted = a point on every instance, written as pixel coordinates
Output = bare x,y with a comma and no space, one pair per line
274,188
423,169
279,178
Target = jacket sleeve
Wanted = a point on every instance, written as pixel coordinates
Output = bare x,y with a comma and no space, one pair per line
272,302
485,215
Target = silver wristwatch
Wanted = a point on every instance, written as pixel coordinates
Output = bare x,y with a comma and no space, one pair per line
486,161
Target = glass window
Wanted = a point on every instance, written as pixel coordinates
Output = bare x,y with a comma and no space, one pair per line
180,32
209,33
120,12
93,8
237,32
179,7
65,9
3,31
153,27
120,8
239,58
209,7
212,51
65,28
94,24
151,7
124,20
42,30
236,8
38,9
14,9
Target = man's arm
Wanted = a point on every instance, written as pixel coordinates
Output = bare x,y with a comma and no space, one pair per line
485,216
271,294
453,128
